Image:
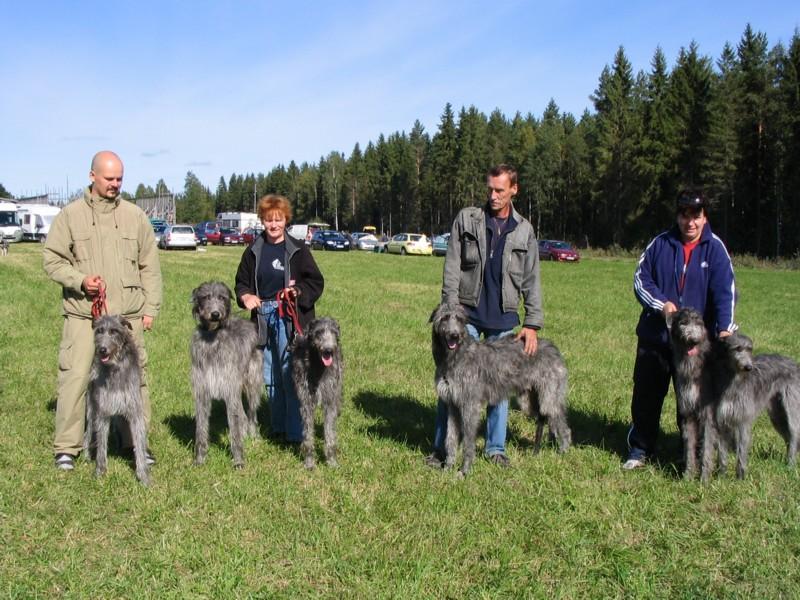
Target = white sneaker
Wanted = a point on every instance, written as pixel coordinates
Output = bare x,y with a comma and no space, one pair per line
65,462
633,463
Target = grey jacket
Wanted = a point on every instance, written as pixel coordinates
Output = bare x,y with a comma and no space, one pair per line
466,259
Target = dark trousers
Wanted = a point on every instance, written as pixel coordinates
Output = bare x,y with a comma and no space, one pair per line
651,376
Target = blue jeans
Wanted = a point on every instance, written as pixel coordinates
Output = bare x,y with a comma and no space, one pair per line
496,416
283,405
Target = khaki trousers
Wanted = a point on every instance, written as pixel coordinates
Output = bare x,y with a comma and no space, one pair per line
74,363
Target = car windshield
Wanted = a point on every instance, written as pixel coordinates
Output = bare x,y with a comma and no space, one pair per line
561,245
227,230
159,228
187,230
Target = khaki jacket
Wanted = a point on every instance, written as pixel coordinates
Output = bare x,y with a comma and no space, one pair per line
113,239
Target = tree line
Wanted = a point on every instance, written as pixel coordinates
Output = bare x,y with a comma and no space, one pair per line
730,126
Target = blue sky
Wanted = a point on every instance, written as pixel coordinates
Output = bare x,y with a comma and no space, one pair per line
223,87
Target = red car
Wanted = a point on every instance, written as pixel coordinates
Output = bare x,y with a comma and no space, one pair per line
251,233
228,237
557,250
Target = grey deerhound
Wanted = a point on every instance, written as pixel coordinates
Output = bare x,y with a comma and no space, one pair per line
317,372
226,363
691,350
115,389
470,374
746,385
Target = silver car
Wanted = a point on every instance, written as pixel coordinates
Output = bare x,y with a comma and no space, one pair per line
178,236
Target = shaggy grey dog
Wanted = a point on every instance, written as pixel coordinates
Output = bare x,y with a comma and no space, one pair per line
3,246
470,374
226,363
691,349
115,389
317,370
745,385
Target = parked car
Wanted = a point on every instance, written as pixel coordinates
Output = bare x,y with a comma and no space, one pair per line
178,236
158,231
250,234
363,240
201,238
557,250
326,239
440,244
409,243
210,230
228,236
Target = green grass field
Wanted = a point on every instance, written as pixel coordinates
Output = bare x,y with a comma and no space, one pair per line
382,525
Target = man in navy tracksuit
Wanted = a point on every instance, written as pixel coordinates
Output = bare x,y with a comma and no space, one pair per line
687,266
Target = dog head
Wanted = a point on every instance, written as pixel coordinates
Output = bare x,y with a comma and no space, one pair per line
211,305
736,351
322,337
449,325
111,334
687,331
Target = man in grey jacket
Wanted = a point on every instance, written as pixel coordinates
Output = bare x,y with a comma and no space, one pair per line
492,260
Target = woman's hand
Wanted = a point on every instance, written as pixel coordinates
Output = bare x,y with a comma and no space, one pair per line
251,301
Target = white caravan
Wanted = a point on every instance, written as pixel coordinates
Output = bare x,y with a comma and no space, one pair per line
36,219
238,220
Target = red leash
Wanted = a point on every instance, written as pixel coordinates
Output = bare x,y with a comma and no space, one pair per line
287,307
99,303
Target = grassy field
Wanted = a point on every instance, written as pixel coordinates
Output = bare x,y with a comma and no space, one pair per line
382,525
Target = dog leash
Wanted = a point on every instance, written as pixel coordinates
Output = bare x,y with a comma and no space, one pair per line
99,303
287,308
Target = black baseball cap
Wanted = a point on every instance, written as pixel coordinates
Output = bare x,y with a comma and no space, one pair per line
691,199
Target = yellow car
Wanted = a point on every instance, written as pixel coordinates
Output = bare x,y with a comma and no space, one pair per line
409,243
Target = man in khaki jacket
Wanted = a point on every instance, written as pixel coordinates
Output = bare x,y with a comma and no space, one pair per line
99,241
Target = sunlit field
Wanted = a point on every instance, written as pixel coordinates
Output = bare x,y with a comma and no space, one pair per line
382,524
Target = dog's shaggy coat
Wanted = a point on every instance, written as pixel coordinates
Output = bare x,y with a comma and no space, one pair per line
746,385
317,371
226,363
691,351
470,374
115,389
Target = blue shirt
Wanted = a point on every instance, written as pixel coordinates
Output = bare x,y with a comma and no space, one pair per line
489,314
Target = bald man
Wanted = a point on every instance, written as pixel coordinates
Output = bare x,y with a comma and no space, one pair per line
99,241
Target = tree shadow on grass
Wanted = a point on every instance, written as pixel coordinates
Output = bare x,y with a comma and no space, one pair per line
399,418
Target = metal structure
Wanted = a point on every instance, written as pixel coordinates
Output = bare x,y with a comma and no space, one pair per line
159,207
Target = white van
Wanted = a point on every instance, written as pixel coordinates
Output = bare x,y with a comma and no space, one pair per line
239,220
9,222
36,219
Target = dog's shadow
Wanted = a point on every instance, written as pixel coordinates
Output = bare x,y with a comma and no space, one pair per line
182,426
398,418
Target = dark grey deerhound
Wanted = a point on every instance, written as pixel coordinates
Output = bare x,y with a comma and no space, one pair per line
115,389
3,245
226,363
317,372
691,349
745,385
470,374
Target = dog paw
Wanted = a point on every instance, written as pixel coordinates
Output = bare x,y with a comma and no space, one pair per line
238,466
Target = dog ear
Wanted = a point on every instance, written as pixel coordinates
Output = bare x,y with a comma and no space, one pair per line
433,314
126,323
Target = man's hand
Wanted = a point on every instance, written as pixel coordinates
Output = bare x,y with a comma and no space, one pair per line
724,333
251,301
91,284
531,339
147,322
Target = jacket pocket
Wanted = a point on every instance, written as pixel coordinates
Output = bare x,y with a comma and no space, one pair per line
82,245
470,252
517,258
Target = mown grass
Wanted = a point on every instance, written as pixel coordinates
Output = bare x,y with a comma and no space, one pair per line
383,525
